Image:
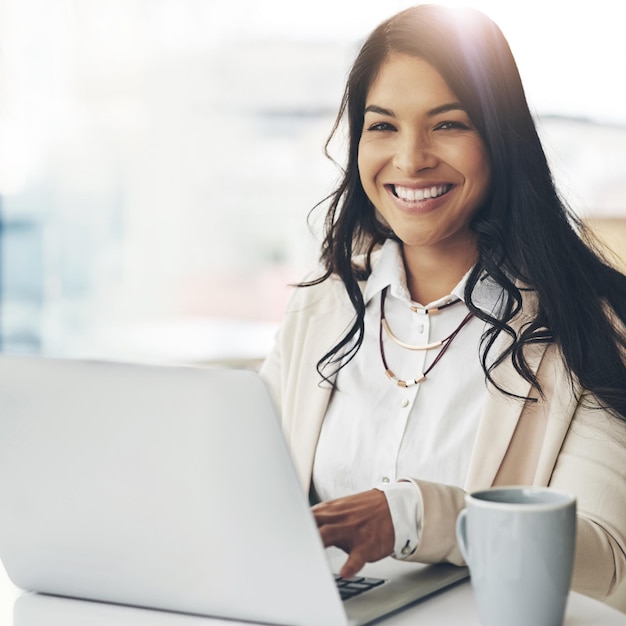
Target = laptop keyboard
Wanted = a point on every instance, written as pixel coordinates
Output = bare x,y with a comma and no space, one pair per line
350,587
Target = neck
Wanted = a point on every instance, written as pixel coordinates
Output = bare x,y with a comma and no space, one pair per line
433,273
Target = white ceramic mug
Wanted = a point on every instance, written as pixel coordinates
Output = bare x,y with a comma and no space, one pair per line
519,545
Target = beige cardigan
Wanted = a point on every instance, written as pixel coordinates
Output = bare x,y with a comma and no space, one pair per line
556,441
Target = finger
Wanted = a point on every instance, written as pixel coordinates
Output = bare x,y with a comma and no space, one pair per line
353,565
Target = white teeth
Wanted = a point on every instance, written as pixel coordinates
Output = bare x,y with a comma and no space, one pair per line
415,195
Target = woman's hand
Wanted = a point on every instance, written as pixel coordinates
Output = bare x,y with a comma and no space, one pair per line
360,525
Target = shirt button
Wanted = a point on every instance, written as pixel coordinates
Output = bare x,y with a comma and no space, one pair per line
406,550
420,329
405,403
386,479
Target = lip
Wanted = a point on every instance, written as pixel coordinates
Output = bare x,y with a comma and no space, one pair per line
419,206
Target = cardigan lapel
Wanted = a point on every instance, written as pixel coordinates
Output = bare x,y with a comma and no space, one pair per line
313,395
500,417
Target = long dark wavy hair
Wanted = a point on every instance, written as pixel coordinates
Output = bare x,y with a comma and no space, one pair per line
525,233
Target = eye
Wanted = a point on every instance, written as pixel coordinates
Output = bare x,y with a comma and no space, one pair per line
453,125
381,127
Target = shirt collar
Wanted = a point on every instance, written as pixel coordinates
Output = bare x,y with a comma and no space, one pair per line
388,271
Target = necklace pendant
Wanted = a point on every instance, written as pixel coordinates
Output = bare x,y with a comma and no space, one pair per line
412,382
405,383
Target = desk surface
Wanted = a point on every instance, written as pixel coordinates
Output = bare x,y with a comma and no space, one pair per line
450,608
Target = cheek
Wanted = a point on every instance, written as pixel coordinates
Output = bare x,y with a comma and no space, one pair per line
478,170
370,161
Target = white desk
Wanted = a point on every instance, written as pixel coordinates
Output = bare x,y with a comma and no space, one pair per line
450,608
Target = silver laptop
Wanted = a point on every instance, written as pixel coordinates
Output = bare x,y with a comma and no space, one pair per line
170,488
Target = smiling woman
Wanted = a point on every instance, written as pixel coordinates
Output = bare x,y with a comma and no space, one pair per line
446,244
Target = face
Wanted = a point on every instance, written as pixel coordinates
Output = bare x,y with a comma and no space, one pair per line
422,162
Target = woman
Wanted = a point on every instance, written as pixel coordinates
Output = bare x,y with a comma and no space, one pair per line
447,206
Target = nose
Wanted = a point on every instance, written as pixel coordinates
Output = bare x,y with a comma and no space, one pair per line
413,154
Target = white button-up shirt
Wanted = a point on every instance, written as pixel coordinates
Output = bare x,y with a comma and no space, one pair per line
375,432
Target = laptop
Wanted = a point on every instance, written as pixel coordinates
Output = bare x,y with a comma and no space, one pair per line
170,488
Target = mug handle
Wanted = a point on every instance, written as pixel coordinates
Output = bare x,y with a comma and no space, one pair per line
461,534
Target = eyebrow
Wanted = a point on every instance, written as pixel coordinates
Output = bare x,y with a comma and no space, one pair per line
444,108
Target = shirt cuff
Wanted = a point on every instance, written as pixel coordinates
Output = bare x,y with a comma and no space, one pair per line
405,505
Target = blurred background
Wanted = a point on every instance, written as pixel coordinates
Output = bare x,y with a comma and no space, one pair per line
159,159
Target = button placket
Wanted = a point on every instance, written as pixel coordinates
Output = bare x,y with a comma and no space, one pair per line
421,324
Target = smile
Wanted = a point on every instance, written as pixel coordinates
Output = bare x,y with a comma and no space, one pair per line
417,195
